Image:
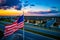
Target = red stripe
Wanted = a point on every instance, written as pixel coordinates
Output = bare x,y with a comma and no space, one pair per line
21,25
8,29
11,31
7,34
12,28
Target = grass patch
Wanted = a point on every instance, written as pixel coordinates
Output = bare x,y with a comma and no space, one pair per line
7,20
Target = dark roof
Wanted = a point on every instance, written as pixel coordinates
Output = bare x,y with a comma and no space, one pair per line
39,17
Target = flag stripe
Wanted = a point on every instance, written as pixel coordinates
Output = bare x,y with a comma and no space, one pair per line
7,34
10,26
21,25
10,29
13,27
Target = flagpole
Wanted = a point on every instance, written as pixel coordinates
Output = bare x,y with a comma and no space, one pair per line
23,27
23,21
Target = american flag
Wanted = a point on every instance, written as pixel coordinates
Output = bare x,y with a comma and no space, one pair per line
10,29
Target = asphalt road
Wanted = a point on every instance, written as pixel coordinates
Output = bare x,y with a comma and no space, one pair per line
31,27
28,36
33,36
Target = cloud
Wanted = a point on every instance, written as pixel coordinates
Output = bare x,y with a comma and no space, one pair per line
10,3
39,13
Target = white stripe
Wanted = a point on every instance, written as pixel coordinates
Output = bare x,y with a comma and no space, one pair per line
8,31
12,28
8,34
10,25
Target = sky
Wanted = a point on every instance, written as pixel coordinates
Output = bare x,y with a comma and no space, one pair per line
38,4
30,5
44,4
10,12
